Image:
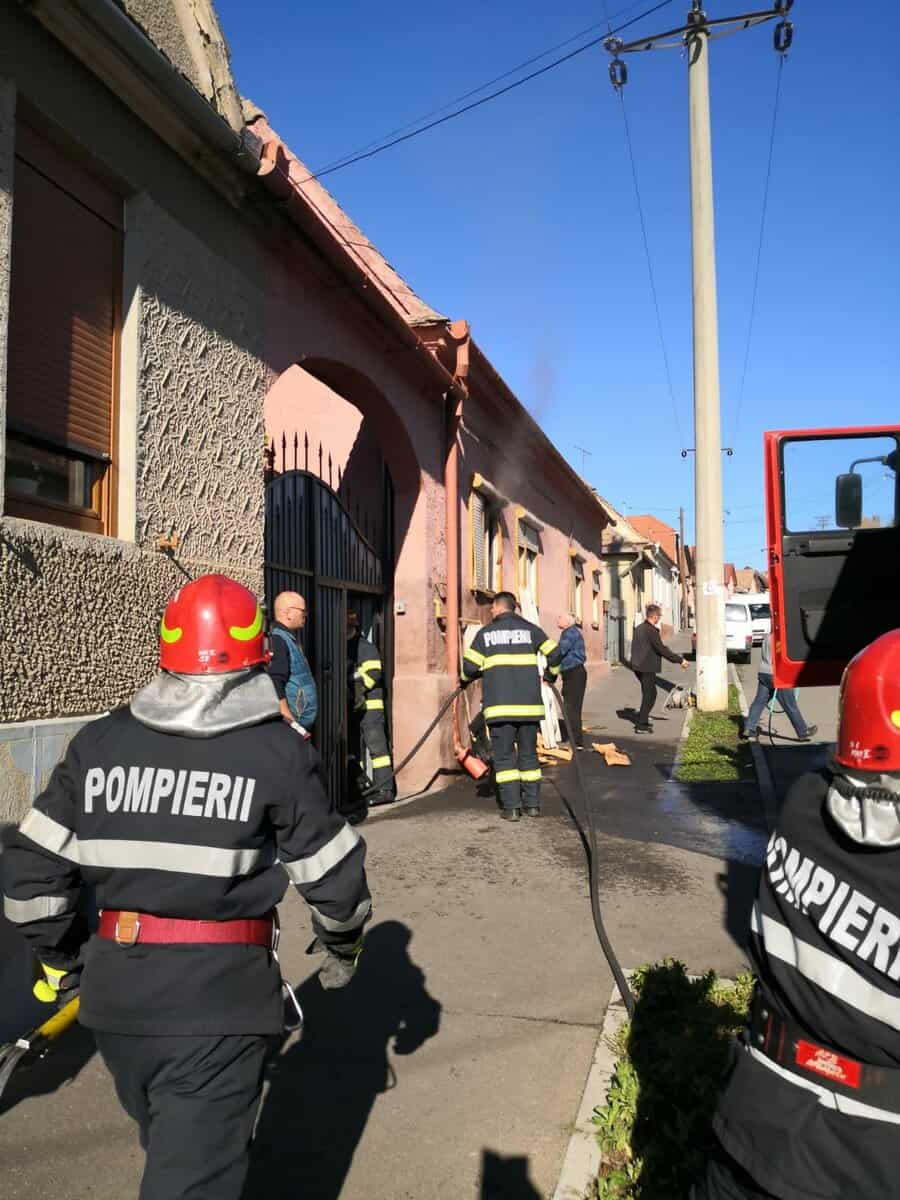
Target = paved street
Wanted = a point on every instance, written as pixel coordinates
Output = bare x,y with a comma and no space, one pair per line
481,976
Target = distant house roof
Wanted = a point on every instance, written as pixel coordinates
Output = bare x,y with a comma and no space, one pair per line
657,531
621,537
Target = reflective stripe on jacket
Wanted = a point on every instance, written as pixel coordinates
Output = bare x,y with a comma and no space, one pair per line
825,945
505,655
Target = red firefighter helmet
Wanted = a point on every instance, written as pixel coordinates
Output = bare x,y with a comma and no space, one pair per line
211,625
869,708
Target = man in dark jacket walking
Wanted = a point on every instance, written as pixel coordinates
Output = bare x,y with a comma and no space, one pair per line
505,653
647,652
189,811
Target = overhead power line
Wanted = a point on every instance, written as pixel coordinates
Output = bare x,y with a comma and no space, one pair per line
659,324
759,248
458,112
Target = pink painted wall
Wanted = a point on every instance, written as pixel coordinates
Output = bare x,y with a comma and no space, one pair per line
569,522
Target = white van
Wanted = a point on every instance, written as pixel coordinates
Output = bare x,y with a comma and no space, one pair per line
761,615
738,628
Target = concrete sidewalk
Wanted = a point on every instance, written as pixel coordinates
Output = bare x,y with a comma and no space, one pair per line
454,1065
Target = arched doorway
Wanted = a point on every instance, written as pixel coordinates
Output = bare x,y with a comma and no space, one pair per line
331,532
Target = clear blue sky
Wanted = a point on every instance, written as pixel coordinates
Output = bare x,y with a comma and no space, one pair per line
521,216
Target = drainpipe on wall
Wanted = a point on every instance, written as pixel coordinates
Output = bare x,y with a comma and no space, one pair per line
459,333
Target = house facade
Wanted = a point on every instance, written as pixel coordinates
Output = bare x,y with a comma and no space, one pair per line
665,585
630,568
169,282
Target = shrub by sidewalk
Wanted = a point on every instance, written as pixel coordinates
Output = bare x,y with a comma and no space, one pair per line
713,751
654,1130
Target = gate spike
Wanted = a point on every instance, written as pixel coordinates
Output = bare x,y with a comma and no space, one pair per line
340,478
305,451
283,452
320,460
296,447
329,468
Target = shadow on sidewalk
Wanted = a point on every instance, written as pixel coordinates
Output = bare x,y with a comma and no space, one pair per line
324,1087
679,1046
506,1178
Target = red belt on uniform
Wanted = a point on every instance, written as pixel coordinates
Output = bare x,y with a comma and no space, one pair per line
131,928
800,1052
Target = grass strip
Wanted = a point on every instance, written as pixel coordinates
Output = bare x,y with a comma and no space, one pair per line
713,751
654,1129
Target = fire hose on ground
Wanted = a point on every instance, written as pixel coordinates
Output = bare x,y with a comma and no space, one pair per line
478,769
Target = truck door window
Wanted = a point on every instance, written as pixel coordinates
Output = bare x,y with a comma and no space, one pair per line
811,468
834,538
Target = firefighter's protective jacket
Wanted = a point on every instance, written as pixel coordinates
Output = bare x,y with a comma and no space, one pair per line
825,944
366,674
504,653
207,828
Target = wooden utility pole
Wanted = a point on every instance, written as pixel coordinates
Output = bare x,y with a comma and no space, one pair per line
682,569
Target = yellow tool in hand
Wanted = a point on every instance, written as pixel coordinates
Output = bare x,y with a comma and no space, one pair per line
36,1043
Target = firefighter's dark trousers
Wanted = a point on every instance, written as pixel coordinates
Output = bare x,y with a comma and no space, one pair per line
727,1180
195,1100
516,768
374,735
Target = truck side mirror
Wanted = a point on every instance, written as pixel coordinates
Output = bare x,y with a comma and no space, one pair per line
848,501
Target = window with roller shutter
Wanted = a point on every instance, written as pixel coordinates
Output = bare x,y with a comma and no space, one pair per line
487,544
63,332
576,589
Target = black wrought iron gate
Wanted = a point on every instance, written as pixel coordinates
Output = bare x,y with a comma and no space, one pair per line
313,546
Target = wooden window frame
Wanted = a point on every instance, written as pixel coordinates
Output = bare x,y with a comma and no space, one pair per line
67,170
596,597
576,585
523,550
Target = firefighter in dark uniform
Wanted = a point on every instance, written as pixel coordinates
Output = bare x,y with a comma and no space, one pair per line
367,722
189,811
811,1109
505,654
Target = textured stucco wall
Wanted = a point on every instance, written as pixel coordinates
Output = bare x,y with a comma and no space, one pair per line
79,613
201,395
79,620
161,23
7,150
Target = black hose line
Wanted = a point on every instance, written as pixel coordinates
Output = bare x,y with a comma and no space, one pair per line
422,740
593,858
590,844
